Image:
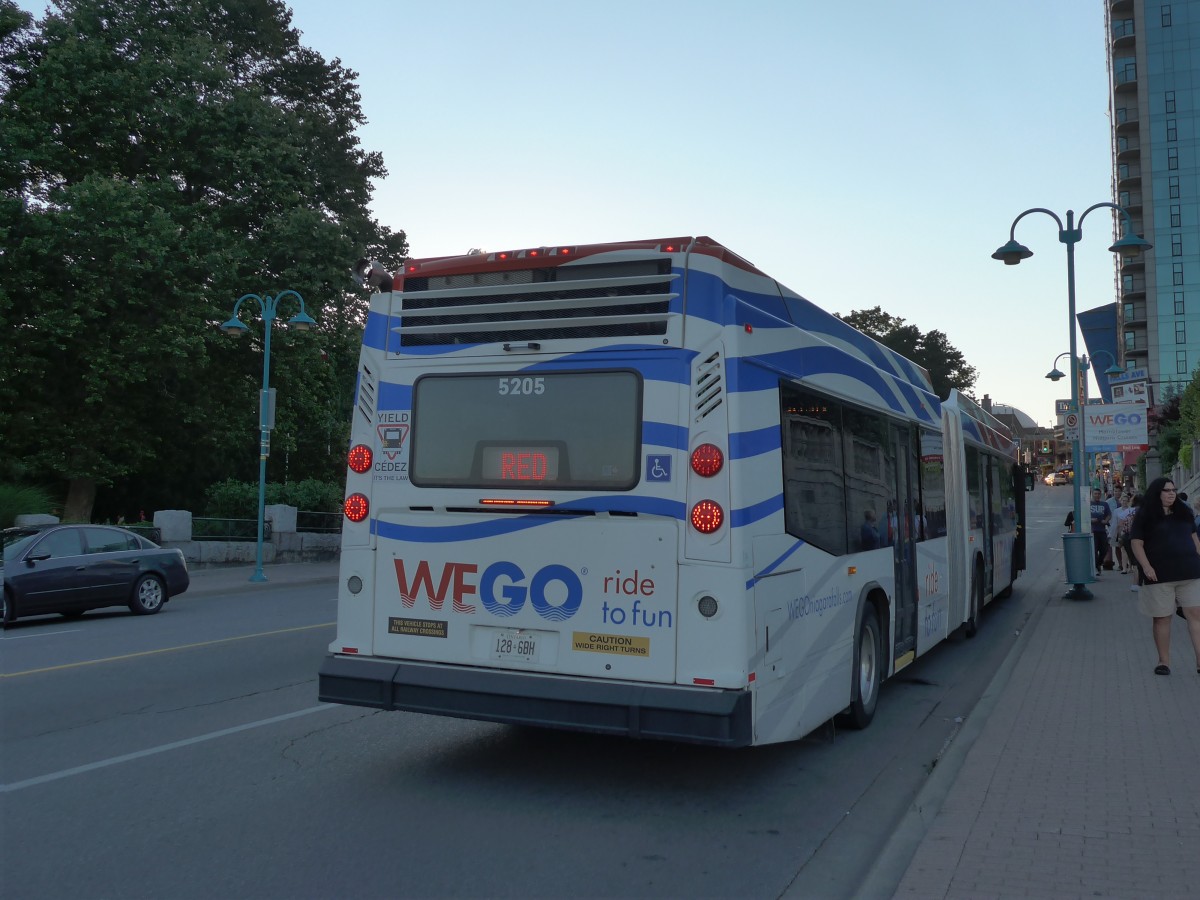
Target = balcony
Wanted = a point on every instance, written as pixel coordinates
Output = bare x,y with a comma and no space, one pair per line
1131,200
1128,148
1125,78
1129,175
1127,120
1133,285
1123,33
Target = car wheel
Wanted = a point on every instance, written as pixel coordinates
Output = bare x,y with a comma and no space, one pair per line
149,595
8,612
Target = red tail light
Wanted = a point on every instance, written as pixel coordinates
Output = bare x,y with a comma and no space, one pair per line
356,507
707,516
359,458
707,460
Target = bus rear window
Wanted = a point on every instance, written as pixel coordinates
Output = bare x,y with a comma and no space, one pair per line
543,431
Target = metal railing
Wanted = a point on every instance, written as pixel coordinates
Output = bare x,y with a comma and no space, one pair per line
318,522
213,529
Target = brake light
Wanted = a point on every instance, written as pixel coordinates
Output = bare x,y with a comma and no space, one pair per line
506,501
707,460
359,458
707,516
356,507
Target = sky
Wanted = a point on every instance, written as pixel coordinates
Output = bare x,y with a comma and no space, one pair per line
862,154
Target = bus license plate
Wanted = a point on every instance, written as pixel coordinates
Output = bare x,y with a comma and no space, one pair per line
514,644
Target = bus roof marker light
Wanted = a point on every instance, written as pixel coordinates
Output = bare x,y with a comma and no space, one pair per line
707,460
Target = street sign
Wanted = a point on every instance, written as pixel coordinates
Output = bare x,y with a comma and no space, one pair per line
1071,427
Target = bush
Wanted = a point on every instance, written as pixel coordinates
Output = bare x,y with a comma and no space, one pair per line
17,500
239,499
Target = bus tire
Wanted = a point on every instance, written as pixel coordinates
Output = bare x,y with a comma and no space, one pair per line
972,627
867,671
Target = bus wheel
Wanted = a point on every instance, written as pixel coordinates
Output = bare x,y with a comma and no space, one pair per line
868,671
972,627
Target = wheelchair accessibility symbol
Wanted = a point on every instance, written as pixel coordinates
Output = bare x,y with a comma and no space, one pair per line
658,468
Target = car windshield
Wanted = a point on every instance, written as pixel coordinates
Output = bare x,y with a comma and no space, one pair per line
16,540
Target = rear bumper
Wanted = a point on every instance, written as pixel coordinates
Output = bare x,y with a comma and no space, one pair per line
664,712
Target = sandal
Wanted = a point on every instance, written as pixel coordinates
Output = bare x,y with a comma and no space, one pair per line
1164,670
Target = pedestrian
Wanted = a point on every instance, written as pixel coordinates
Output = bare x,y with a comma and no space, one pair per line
1134,505
1119,533
1164,542
1113,503
1101,518
868,535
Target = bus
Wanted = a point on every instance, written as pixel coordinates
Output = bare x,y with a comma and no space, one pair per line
643,489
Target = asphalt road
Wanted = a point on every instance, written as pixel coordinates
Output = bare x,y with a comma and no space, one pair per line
185,755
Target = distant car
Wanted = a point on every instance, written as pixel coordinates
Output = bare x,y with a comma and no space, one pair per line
1049,479
70,569
1061,478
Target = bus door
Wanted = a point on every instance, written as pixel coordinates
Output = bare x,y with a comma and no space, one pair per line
993,507
902,522
1020,476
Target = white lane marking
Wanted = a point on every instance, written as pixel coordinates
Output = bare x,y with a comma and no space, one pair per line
175,745
17,637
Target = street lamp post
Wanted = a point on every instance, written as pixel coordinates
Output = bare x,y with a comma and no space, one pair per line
236,327
1011,254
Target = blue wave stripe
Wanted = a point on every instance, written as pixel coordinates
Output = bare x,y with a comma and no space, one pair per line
739,518
375,332
425,534
810,361
774,564
744,444
394,396
661,434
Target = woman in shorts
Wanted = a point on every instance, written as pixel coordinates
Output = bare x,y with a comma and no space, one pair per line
1165,544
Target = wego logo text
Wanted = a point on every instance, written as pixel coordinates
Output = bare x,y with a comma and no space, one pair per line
555,592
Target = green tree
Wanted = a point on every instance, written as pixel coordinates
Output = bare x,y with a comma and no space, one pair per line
1166,424
1189,419
946,365
158,159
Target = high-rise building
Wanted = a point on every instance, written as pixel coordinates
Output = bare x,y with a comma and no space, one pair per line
1154,71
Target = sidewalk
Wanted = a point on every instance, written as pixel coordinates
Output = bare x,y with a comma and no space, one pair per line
220,579
1084,777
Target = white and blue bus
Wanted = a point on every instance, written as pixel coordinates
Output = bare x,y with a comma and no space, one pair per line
644,489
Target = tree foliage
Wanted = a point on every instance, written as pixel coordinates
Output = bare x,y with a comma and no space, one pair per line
159,159
1166,421
1189,418
946,365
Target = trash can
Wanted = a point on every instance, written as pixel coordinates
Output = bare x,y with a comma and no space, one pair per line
1079,555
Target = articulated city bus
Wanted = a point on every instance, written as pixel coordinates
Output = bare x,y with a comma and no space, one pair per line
643,489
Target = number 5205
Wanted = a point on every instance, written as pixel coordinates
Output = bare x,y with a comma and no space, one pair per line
518,385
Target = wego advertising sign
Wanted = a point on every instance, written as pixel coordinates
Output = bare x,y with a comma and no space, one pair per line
1114,427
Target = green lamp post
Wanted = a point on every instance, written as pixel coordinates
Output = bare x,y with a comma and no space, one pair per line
1011,254
236,327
